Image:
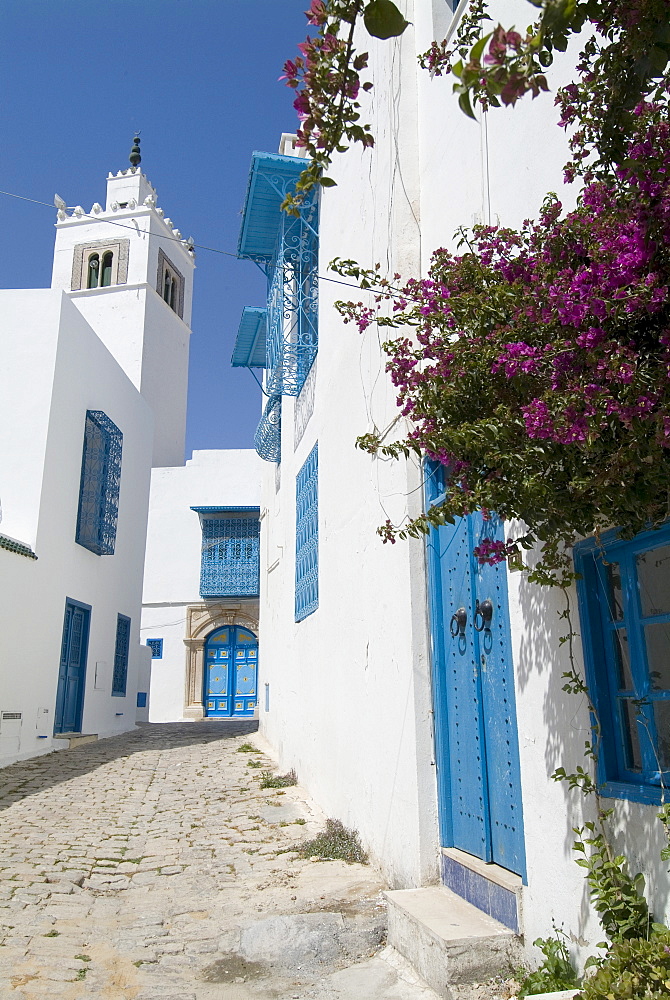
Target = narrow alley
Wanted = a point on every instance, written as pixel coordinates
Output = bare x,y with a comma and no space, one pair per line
152,865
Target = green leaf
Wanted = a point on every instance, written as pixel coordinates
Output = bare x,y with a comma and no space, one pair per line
383,19
327,182
465,106
476,52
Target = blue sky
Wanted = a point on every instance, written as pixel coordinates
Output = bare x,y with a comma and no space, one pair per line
199,78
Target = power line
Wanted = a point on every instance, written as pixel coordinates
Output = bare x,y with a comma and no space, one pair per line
175,239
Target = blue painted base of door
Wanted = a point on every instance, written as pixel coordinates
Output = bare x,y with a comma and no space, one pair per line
231,673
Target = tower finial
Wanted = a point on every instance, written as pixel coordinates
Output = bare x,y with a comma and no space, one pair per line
135,157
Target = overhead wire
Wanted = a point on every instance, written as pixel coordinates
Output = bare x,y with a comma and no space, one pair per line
199,246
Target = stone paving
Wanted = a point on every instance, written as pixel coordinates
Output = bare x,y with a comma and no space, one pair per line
153,865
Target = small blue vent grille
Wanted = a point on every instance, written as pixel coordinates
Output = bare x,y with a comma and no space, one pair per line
100,484
293,302
156,647
230,564
307,537
267,438
120,677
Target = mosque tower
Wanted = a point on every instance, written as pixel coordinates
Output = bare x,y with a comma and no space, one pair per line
130,273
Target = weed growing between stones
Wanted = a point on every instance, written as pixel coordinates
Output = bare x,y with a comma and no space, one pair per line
247,748
336,843
270,780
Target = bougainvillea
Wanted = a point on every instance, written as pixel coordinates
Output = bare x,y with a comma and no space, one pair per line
326,76
535,364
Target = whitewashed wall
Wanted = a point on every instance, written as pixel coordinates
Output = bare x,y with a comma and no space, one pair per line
55,369
349,701
349,694
172,571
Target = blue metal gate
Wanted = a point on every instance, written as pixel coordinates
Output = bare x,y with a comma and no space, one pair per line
72,672
476,738
231,673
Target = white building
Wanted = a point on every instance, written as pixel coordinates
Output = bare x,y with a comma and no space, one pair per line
92,393
201,587
438,748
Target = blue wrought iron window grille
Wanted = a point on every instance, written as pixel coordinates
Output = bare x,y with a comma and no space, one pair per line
156,647
100,484
624,605
293,301
286,247
307,537
267,438
120,676
230,564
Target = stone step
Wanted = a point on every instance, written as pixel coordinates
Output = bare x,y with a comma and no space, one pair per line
76,739
448,940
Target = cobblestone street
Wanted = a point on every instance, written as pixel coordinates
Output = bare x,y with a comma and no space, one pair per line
152,866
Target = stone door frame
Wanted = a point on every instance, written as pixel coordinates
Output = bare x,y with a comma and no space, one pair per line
201,620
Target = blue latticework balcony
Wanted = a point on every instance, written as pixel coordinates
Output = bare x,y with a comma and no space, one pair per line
230,565
293,302
100,484
307,537
267,439
286,247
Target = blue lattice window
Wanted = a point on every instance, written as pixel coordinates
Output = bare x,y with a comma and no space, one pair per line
100,484
230,565
307,537
120,677
624,607
156,647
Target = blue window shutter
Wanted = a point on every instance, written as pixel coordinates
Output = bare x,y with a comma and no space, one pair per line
307,537
100,484
230,564
156,647
625,623
120,678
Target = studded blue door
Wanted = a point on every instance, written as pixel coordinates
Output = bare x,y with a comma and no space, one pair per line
473,682
231,673
72,672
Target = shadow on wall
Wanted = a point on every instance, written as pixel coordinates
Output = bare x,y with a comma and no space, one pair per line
25,778
636,832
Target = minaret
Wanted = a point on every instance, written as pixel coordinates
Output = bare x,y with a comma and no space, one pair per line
130,273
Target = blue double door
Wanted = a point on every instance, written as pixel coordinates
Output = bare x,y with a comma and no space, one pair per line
72,671
477,750
231,673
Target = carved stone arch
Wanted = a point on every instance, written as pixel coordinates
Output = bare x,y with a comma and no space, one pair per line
201,621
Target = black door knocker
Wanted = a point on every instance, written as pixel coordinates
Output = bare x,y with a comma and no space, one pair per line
485,612
459,620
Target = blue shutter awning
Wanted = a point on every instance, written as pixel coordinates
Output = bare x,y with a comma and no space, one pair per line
271,178
250,345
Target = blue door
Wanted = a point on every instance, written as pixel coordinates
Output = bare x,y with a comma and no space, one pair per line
231,673
72,672
477,749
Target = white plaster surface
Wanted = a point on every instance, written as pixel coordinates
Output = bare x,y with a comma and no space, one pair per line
55,369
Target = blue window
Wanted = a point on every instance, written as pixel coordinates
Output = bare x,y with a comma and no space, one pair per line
624,601
99,485
120,677
230,565
156,646
141,699
307,537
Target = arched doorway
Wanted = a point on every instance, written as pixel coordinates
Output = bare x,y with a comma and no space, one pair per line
231,673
